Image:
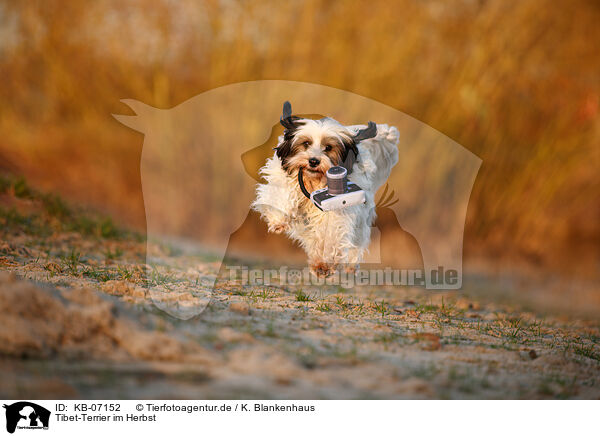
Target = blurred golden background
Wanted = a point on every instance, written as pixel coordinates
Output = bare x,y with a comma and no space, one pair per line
516,83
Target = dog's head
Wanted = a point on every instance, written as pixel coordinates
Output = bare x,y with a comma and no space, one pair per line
316,145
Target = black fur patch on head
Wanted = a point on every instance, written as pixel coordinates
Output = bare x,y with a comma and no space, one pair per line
285,149
290,124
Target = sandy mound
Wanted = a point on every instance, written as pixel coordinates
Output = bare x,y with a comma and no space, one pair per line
39,322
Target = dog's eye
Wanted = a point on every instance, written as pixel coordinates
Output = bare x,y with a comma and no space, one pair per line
328,148
306,143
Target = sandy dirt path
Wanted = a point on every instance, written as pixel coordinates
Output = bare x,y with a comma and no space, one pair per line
79,319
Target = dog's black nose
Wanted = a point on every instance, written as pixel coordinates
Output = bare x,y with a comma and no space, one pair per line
313,161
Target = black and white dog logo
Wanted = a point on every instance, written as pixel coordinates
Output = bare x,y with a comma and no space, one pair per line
26,415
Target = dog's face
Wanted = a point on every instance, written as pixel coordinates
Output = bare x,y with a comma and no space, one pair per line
315,146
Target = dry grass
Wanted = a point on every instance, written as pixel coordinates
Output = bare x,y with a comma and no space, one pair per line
514,82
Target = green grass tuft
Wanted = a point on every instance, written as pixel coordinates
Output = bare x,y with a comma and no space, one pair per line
323,307
301,296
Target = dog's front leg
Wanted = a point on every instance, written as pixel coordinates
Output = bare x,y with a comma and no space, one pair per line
318,247
330,247
321,264
275,206
277,221
355,256
354,235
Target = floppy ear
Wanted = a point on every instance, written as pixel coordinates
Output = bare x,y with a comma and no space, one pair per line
287,120
284,149
350,154
369,132
350,145
351,150
290,123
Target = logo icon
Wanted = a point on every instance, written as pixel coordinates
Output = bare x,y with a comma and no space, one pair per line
26,415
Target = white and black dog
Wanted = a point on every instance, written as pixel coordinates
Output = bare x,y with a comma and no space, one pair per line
337,238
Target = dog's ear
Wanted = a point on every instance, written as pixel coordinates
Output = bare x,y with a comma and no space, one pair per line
284,149
350,154
287,120
369,132
287,110
350,148
290,123
350,145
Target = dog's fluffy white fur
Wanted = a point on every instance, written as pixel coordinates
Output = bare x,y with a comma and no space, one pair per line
336,238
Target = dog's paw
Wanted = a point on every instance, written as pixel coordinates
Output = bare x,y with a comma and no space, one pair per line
322,269
278,228
351,268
